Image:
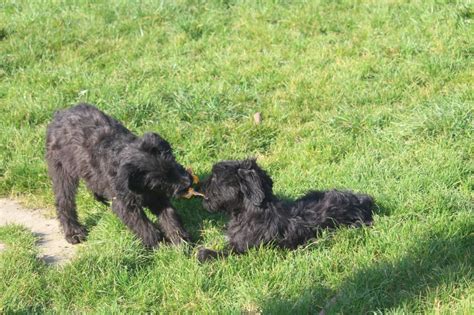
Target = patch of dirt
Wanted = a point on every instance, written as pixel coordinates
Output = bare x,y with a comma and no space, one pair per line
53,247
2,247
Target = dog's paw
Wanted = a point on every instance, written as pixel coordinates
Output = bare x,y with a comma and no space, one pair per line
205,254
178,237
151,238
76,235
185,236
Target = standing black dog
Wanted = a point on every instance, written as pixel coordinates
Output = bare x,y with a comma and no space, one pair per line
245,191
84,143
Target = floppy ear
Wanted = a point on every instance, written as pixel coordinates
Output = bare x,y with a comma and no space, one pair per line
131,177
249,163
251,186
154,143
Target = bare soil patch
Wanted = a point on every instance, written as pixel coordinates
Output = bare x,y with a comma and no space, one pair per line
53,247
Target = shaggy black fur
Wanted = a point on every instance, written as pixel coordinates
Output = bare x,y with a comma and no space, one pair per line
84,143
245,191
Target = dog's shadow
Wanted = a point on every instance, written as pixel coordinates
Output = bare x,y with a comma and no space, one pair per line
96,212
193,214
436,262
93,218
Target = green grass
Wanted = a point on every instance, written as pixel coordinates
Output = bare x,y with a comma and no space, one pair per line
375,96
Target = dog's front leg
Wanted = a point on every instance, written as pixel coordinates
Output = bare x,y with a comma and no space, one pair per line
170,223
136,220
168,220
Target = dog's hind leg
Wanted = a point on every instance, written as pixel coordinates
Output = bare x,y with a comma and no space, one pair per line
136,220
205,254
168,220
65,188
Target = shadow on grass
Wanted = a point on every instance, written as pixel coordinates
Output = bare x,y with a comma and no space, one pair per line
433,263
194,215
381,209
92,219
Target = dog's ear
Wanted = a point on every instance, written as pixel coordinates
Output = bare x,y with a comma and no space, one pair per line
153,143
249,164
136,182
131,177
251,185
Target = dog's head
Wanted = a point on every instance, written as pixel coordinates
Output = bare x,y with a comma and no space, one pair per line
236,185
150,166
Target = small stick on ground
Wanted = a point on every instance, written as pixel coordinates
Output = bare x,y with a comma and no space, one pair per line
257,118
191,192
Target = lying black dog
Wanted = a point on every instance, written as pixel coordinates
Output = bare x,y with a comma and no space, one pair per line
84,143
244,191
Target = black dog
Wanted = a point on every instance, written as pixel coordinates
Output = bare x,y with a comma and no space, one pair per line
244,191
84,143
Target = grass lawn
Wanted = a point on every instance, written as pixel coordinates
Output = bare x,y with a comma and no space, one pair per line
374,96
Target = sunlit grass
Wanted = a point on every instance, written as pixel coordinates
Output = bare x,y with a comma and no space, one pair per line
374,96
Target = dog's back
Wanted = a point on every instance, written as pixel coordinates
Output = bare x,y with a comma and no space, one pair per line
85,141
83,125
328,209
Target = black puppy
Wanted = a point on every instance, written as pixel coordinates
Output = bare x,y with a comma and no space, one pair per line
244,191
84,143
